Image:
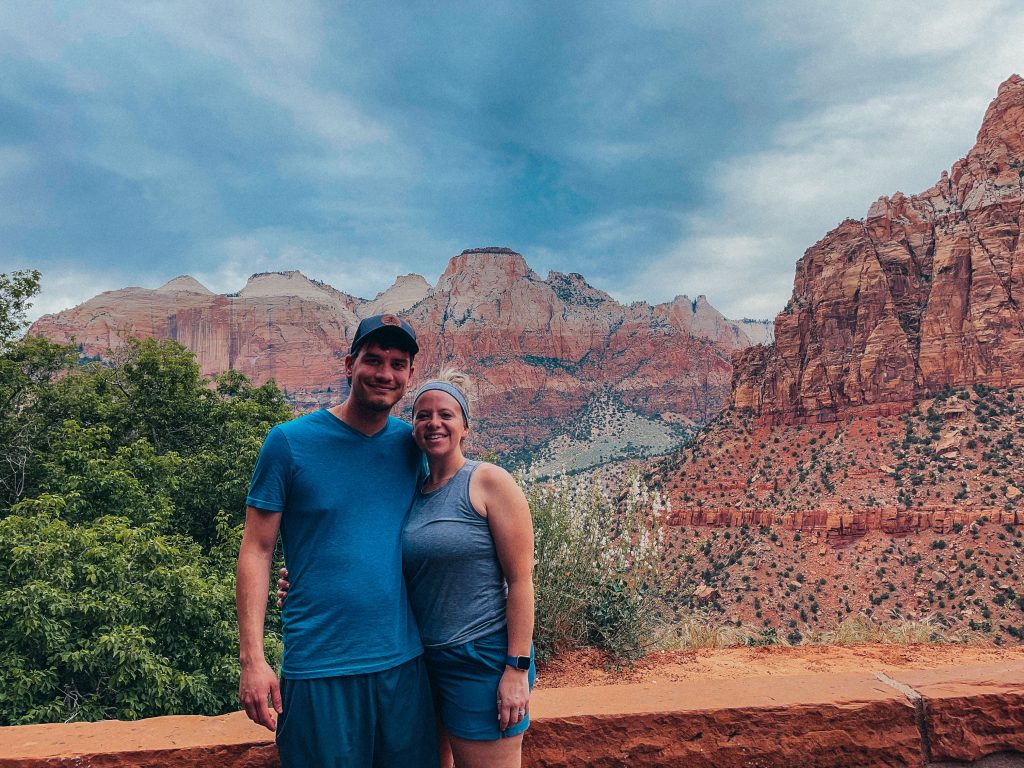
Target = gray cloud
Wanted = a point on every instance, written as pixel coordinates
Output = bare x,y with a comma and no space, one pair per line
893,96
656,147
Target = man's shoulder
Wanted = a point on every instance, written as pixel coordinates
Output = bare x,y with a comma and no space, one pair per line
311,420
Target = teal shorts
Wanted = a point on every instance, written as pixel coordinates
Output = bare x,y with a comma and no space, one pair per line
378,720
465,681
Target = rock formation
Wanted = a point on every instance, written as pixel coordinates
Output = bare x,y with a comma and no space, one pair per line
924,293
540,349
890,399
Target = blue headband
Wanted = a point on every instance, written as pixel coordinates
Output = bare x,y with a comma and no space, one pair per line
451,389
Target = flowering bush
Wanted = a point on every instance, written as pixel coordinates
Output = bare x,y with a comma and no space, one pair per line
600,580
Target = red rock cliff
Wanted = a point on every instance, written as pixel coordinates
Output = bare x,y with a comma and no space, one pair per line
923,293
539,348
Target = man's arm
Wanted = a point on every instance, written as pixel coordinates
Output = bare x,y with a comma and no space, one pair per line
258,681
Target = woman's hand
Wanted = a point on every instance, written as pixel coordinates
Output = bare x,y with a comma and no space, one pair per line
513,697
282,587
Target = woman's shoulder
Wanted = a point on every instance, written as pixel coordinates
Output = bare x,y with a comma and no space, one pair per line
491,481
488,473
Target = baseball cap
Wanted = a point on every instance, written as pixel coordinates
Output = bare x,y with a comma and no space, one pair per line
376,323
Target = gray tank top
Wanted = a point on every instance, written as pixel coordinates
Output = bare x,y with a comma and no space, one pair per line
455,582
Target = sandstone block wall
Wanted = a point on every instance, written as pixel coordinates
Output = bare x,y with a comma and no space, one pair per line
911,717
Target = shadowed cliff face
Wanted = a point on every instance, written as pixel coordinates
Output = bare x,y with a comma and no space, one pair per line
923,294
539,349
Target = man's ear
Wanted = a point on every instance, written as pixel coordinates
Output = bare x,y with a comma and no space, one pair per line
350,361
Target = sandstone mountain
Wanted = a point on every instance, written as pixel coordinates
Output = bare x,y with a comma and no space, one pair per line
869,466
890,397
540,349
922,294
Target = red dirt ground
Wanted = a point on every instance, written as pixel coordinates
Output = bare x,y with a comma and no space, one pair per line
591,667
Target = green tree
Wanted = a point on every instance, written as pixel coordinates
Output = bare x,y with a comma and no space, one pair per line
16,292
148,436
111,620
122,489
28,368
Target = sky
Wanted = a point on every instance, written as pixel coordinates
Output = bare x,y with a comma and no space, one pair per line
658,148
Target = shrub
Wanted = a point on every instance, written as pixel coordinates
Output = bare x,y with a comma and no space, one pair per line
112,620
599,578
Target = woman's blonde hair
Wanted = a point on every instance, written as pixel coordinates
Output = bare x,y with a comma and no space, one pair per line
457,379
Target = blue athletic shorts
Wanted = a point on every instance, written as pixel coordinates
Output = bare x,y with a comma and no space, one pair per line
465,681
377,720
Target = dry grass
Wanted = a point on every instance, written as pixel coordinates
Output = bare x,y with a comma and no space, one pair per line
700,630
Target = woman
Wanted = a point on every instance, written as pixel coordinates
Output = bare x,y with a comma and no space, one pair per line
467,552
468,561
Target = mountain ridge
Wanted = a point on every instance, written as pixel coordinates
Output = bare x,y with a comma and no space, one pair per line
923,293
539,349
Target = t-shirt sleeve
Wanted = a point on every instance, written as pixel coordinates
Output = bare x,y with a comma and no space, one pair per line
272,474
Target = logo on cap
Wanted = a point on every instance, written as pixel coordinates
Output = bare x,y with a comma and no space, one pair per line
390,320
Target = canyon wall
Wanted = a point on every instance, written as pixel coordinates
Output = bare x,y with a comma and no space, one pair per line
538,348
922,294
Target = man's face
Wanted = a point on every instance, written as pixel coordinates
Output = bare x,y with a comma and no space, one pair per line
380,376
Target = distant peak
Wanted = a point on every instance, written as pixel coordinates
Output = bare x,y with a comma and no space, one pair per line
1003,122
1013,81
491,249
412,279
290,283
185,284
503,260
573,288
699,303
289,274
402,295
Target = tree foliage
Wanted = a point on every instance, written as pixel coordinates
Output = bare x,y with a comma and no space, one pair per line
108,619
16,292
122,489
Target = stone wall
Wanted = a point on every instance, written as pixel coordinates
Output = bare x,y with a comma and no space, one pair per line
906,717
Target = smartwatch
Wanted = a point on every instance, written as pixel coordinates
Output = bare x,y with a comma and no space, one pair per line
518,662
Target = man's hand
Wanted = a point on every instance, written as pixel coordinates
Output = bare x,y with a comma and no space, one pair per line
258,684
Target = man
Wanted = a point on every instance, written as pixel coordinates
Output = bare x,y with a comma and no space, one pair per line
337,485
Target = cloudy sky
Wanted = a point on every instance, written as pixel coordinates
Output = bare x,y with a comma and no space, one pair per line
657,147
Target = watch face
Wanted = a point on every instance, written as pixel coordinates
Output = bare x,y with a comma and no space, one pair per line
522,662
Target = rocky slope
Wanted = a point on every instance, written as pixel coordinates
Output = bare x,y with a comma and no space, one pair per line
924,293
858,414
870,459
541,349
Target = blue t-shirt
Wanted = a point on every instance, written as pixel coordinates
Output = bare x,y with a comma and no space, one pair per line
343,497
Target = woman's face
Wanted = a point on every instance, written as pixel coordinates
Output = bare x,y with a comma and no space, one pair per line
437,423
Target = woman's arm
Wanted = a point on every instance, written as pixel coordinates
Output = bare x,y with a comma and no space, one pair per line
500,499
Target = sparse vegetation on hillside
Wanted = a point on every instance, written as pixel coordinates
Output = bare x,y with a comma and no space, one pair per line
915,518
805,588
605,431
957,451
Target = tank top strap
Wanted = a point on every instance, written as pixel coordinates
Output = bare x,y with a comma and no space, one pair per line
465,477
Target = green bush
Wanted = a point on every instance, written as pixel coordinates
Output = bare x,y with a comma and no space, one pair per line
121,501
109,619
